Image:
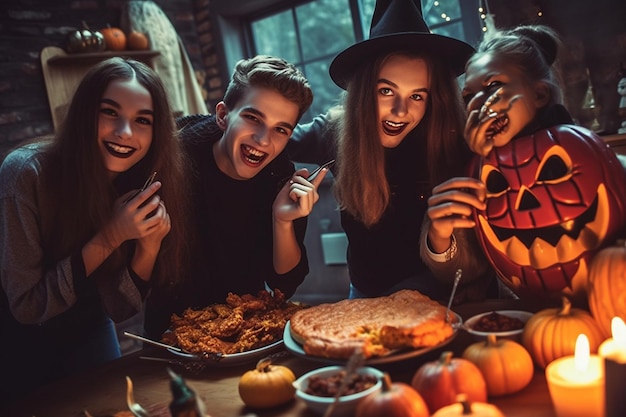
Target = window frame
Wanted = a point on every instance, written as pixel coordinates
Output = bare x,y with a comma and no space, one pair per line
232,20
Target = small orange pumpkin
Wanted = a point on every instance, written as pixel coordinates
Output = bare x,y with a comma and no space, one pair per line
607,286
439,382
551,333
394,400
463,407
137,41
505,364
267,385
114,38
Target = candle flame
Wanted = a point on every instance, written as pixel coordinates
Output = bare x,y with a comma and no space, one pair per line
581,353
618,330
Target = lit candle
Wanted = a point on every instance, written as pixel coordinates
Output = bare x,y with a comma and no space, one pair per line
613,350
576,383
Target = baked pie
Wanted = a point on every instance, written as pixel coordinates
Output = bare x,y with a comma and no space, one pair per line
377,326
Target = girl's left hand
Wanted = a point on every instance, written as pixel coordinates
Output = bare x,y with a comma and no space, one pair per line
298,196
451,207
158,225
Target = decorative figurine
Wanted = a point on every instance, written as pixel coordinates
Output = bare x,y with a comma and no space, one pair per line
185,403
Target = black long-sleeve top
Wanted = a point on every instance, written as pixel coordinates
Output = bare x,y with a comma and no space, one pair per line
388,252
233,248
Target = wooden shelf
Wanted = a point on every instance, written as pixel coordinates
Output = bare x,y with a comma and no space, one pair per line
94,57
62,73
617,142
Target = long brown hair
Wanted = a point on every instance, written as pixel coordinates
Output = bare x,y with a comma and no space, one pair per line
79,193
361,183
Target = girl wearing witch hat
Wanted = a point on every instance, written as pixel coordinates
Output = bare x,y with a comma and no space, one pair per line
398,134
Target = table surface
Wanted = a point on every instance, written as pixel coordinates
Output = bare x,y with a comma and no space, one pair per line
102,391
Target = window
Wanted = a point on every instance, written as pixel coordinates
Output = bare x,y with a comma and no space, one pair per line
310,34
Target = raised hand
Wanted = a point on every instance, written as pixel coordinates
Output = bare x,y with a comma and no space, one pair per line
484,124
137,217
450,207
298,196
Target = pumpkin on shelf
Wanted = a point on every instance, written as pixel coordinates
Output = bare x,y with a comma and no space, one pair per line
551,333
396,399
463,407
137,41
85,40
607,286
506,365
267,385
114,38
439,382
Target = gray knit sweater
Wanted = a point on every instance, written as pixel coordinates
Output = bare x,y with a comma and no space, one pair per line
36,295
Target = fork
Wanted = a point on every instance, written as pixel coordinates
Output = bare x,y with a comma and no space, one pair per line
319,169
195,366
354,363
146,184
457,278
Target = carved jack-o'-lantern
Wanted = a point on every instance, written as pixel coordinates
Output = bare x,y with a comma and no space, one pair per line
554,198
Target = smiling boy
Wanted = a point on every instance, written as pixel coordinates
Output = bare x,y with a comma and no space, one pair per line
250,205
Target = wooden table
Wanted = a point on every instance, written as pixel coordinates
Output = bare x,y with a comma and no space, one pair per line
102,392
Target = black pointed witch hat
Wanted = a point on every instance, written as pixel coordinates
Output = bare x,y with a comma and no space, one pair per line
399,25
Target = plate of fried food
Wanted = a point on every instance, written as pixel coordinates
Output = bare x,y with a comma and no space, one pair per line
244,329
385,329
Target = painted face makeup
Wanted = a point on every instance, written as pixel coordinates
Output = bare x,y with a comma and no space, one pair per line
402,95
515,105
255,132
124,124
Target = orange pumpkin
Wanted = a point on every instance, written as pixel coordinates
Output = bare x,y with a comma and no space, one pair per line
506,366
267,385
464,408
607,286
551,333
114,38
394,400
137,41
439,382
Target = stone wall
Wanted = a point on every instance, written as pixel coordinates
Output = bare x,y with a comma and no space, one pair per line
27,26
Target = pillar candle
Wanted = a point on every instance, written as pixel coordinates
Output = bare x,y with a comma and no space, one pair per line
576,383
613,351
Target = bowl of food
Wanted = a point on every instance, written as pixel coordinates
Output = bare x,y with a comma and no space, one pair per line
319,387
505,324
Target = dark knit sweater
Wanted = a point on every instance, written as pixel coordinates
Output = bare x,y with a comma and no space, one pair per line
233,249
387,253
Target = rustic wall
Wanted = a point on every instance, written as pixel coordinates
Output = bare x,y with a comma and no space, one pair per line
27,26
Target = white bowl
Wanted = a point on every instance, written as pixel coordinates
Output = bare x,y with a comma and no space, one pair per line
515,335
346,405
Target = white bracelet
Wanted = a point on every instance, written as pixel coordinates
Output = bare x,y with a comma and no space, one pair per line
445,256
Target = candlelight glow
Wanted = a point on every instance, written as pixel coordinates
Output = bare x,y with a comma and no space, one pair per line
581,353
618,330
576,383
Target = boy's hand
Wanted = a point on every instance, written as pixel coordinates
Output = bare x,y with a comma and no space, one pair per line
298,196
